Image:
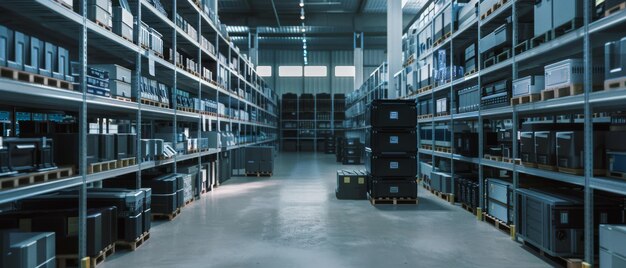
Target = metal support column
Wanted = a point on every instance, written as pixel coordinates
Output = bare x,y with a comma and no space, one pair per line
394,42
588,151
174,83
82,202
201,117
136,88
253,46
358,60
515,121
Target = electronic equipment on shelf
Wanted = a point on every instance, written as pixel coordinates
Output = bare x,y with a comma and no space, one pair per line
495,95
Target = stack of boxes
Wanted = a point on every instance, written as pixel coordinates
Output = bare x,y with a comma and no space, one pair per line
123,20
119,79
351,151
99,11
97,79
391,149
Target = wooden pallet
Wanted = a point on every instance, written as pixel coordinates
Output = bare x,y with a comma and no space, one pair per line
259,174
491,10
547,167
493,157
188,202
392,200
559,92
566,28
616,174
427,147
180,66
617,83
103,25
133,245
426,186
126,162
442,114
541,39
154,103
64,261
65,4
612,10
505,55
445,196
443,149
424,116
560,261
500,225
36,177
530,165
123,99
101,166
522,47
27,77
470,73
169,217
424,89
185,109
489,62
158,54
515,161
469,208
580,171
525,99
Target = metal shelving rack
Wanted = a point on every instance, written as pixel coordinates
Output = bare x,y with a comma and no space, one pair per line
99,44
581,42
375,87
317,137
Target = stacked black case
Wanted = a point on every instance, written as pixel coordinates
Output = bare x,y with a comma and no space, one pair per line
391,149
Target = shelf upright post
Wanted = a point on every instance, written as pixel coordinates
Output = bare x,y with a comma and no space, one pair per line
588,151
515,118
82,201
173,103
481,129
200,116
451,121
136,90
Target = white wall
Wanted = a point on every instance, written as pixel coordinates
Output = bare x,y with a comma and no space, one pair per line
330,58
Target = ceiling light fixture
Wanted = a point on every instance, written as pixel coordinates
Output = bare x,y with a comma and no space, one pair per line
302,14
301,3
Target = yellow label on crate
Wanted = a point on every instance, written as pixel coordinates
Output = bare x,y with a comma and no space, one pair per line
72,226
346,179
25,225
361,180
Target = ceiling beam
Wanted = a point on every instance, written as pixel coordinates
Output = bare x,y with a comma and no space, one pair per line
361,8
275,13
313,34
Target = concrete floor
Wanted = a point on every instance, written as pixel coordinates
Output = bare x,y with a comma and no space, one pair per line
294,220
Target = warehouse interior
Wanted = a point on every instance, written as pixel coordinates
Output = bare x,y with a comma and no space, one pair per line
312,133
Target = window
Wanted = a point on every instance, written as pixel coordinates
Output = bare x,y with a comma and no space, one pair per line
315,71
344,71
290,71
264,71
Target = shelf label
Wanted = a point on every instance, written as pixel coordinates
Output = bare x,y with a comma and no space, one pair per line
393,115
394,190
393,165
393,139
151,66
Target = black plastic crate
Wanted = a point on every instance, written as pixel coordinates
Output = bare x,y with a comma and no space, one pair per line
390,165
391,140
394,188
392,114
